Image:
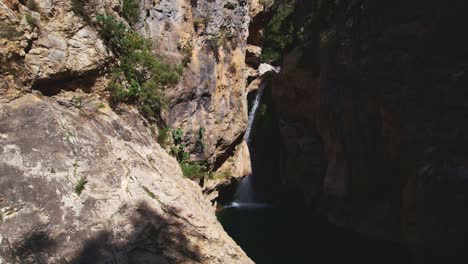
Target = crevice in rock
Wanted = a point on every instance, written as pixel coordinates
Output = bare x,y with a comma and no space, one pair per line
66,82
28,47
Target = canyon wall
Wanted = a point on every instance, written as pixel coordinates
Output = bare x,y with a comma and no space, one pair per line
83,181
372,111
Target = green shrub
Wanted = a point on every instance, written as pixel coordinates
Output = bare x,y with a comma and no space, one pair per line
199,145
32,5
32,21
179,153
78,8
140,75
177,135
79,187
163,136
193,170
8,31
131,11
278,33
100,105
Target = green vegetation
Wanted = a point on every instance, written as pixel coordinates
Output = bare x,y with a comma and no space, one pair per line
150,193
130,11
77,101
52,170
32,5
100,105
177,136
279,33
140,76
79,187
199,145
163,136
200,22
78,8
221,175
193,170
8,31
187,50
32,21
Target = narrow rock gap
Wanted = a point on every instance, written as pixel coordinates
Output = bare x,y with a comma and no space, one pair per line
66,82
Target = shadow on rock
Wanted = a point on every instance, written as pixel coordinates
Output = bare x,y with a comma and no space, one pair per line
152,238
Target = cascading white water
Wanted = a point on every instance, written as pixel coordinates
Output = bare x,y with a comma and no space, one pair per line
244,196
252,113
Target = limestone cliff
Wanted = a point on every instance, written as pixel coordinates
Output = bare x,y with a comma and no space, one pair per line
84,185
80,182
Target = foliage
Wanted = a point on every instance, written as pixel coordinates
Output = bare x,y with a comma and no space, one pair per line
140,76
8,31
187,50
193,170
221,175
177,135
79,187
78,8
278,33
179,153
32,21
200,22
32,5
100,105
130,11
163,136
77,101
199,145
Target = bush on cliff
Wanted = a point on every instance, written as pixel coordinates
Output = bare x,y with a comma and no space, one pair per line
130,11
139,76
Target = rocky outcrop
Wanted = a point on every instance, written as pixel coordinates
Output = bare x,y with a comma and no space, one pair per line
209,37
80,183
45,43
101,192
371,114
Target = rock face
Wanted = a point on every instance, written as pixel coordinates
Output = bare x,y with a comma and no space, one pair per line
372,111
135,206
56,45
82,184
210,38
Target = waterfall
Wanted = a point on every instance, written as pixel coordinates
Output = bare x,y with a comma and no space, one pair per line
252,113
244,195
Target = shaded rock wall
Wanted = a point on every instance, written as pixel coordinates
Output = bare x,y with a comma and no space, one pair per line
379,99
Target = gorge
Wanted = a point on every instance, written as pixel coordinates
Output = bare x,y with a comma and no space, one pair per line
233,131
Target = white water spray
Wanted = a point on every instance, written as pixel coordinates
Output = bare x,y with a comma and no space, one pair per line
244,196
252,113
